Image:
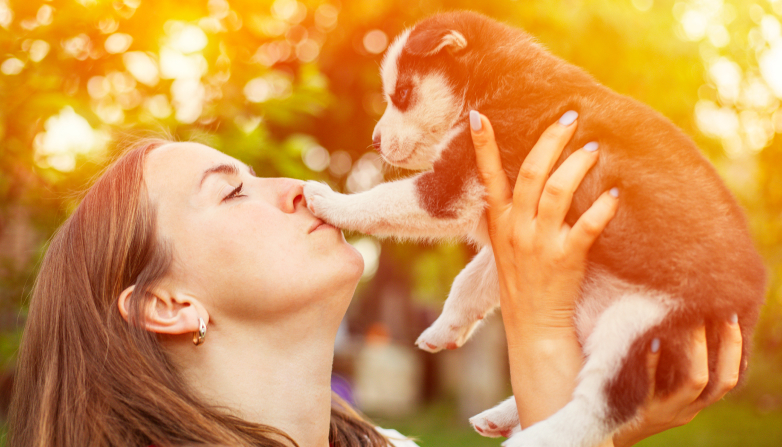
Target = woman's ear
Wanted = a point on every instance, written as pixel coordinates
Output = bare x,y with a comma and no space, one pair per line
166,312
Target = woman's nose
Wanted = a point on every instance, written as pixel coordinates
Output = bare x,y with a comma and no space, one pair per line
291,195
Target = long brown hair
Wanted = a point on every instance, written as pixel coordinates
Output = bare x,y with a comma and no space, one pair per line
85,376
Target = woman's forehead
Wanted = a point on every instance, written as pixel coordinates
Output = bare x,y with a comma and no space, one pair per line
180,165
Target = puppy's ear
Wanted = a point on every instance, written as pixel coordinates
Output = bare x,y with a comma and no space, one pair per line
428,42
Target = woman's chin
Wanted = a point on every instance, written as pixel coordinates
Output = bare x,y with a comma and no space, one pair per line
354,263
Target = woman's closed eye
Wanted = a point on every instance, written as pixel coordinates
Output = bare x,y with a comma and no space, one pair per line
237,192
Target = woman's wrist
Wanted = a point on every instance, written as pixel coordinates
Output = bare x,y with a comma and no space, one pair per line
524,322
544,364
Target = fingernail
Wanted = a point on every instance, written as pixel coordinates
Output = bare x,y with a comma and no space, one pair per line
591,146
734,318
614,191
655,345
568,118
475,121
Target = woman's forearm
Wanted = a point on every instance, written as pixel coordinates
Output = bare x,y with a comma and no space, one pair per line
544,368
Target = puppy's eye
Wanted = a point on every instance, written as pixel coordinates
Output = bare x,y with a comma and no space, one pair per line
401,97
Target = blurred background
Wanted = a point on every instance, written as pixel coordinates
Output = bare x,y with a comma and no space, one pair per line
292,88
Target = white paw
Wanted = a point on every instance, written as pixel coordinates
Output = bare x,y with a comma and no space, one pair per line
489,429
501,420
538,435
445,333
572,426
322,201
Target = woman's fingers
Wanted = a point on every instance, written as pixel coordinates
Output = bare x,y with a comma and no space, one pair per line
537,165
680,407
728,362
697,377
652,359
559,189
589,226
489,163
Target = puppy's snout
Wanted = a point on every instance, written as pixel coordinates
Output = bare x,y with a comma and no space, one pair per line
376,142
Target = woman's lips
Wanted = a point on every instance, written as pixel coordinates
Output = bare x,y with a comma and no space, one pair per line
318,225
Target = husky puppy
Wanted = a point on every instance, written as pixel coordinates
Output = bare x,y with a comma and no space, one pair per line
676,255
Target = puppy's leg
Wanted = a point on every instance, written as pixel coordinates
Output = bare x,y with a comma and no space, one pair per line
395,209
445,202
474,293
590,417
501,420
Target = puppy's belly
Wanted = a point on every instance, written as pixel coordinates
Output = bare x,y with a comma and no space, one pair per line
599,290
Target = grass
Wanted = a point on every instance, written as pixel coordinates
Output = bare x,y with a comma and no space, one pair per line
726,424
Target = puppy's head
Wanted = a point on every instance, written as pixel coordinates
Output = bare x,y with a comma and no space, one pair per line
422,84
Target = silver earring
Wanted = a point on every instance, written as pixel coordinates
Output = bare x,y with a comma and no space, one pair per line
200,335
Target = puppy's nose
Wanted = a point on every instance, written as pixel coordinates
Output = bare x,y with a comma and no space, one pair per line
376,142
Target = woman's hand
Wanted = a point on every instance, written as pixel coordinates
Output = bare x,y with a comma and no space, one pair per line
541,261
540,258
680,407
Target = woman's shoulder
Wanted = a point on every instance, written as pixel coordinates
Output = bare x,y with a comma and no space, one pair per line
396,438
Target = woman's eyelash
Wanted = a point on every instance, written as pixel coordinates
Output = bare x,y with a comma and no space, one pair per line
235,193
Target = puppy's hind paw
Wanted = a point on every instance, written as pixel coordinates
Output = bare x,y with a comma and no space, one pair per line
531,437
502,420
491,430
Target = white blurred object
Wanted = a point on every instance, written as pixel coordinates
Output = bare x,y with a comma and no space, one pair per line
387,378
397,439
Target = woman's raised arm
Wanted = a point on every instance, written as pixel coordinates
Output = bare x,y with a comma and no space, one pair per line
541,262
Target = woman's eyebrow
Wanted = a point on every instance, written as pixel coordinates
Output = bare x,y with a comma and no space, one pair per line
225,168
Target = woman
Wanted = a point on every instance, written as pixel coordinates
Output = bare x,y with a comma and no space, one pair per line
188,302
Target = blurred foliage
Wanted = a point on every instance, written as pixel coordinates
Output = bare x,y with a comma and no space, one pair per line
736,424
292,88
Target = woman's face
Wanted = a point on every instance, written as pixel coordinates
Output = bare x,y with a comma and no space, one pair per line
247,247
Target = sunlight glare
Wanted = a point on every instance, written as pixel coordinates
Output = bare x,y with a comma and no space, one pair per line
340,163
66,135
184,37
38,50
726,74
367,172
770,63
694,23
369,248
715,121
326,17
44,15
6,15
12,66
118,43
257,90
188,97
315,157
142,67
375,41
175,65
158,106
643,5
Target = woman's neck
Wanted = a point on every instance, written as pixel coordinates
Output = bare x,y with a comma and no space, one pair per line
276,374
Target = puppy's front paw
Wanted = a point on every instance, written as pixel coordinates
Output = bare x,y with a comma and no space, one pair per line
445,333
322,201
